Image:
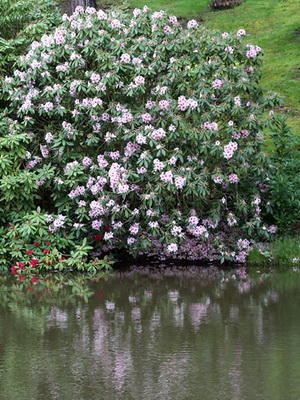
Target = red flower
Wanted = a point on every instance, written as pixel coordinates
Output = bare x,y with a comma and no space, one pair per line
29,252
36,243
34,279
98,237
34,262
31,288
47,290
21,265
46,251
107,229
14,270
21,278
48,242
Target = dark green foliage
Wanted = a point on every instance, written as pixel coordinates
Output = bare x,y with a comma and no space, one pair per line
284,194
22,22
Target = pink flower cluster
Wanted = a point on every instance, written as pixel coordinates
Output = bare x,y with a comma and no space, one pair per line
233,178
253,51
157,134
184,103
192,24
211,126
218,83
167,176
229,149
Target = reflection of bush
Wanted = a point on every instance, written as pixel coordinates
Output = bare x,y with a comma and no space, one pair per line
145,334
29,289
142,296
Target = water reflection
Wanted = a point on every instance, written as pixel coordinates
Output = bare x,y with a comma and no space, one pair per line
142,334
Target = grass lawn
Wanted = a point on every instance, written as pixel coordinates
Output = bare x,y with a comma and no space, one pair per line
180,8
273,25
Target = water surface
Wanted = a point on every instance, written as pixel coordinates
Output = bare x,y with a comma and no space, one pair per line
150,335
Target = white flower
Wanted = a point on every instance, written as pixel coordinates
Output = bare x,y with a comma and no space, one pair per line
108,235
192,24
172,248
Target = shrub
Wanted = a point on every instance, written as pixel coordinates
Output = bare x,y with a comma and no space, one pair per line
283,195
137,134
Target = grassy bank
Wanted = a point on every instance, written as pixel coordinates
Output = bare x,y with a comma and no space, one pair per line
274,25
283,251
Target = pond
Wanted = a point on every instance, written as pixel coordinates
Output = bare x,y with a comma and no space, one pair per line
149,334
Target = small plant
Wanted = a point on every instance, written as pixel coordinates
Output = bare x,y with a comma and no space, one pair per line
286,251
283,252
28,245
259,255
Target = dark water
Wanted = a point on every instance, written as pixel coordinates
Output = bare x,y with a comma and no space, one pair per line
151,335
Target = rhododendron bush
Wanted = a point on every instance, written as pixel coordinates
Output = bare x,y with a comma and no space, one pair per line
137,134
